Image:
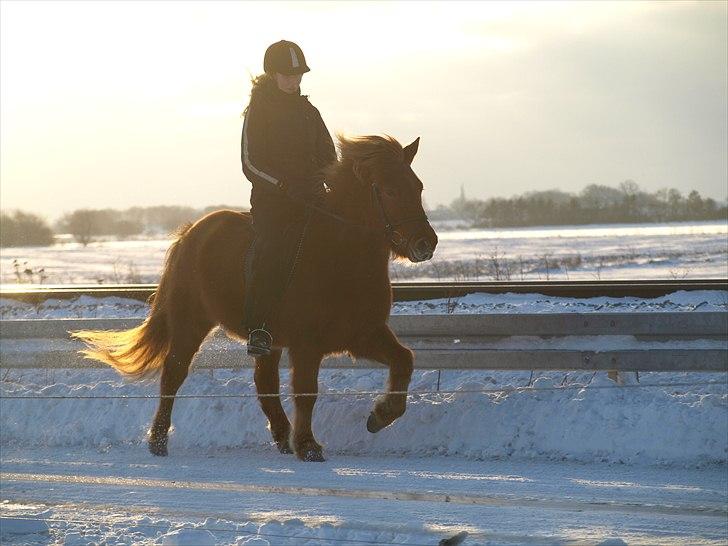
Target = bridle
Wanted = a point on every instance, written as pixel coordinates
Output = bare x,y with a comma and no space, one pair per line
389,227
394,236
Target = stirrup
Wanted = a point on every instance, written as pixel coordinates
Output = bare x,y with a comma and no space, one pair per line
259,342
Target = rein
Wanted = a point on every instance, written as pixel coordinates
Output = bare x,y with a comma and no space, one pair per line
394,236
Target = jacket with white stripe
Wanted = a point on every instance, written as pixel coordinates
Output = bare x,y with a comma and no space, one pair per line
284,141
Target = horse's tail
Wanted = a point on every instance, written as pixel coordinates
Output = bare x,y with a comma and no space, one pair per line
141,351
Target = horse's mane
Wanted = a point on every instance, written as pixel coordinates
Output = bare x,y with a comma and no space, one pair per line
368,147
365,151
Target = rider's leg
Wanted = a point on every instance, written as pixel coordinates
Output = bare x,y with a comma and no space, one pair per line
280,247
258,294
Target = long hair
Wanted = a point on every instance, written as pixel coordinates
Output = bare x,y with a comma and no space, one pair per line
257,82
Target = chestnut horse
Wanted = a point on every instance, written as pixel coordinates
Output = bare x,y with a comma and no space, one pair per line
338,301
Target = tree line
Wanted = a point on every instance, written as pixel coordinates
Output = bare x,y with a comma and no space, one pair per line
595,204
20,228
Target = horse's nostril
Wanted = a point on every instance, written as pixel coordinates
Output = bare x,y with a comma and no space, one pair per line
423,246
422,250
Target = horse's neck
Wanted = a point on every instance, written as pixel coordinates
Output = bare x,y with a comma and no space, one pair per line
353,209
356,236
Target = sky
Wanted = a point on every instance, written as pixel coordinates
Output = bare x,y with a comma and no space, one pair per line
119,104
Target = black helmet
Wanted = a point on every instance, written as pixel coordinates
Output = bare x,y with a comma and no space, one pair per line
286,58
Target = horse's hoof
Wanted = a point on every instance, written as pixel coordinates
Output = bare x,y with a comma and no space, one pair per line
158,448
313,456
373,424
284,448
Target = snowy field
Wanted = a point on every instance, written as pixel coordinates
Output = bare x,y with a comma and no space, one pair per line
629,251
572,460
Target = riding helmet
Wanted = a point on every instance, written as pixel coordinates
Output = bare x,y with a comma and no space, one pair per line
286,58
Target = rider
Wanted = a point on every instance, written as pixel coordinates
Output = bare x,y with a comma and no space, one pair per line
285,145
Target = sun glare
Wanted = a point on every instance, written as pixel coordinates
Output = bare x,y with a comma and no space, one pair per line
153,91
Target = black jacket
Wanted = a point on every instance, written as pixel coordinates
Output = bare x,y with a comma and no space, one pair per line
284,141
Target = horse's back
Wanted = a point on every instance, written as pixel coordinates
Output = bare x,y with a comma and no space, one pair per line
222,232
224,222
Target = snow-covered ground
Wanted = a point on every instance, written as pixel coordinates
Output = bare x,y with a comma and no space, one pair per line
112,307
622,251
125,496
573,460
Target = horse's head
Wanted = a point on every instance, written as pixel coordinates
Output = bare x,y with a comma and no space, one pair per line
389,193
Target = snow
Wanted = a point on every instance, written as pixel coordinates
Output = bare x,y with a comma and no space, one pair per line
112,307
582,423
17,526
575,458
139,499
616,251
81,307
702,300
620,251
189,537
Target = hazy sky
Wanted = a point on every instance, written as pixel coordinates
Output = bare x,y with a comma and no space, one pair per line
138,103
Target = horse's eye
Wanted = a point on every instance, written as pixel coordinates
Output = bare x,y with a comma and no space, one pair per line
391,192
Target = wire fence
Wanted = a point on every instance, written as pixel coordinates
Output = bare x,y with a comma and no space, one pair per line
344,394
313,537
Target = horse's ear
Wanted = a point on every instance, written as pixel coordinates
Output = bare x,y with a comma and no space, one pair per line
410,151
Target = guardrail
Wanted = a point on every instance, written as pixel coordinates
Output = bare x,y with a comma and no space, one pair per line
407,291
675,341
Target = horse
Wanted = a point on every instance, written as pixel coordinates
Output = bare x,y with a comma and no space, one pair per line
338,301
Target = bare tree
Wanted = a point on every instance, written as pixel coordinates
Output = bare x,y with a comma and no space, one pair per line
83,224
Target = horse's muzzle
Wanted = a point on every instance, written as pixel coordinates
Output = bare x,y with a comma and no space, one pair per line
421,251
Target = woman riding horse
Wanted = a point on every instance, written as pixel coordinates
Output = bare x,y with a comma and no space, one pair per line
338,301
285,144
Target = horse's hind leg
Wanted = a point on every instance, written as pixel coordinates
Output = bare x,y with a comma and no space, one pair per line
304,377
383,346
174,372
267,382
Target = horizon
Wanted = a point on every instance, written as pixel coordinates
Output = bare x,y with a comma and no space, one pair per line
508,97
428,207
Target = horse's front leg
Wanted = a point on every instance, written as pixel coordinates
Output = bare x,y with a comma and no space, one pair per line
382,345
305,365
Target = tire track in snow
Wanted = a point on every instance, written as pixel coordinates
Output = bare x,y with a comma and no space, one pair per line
364,494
